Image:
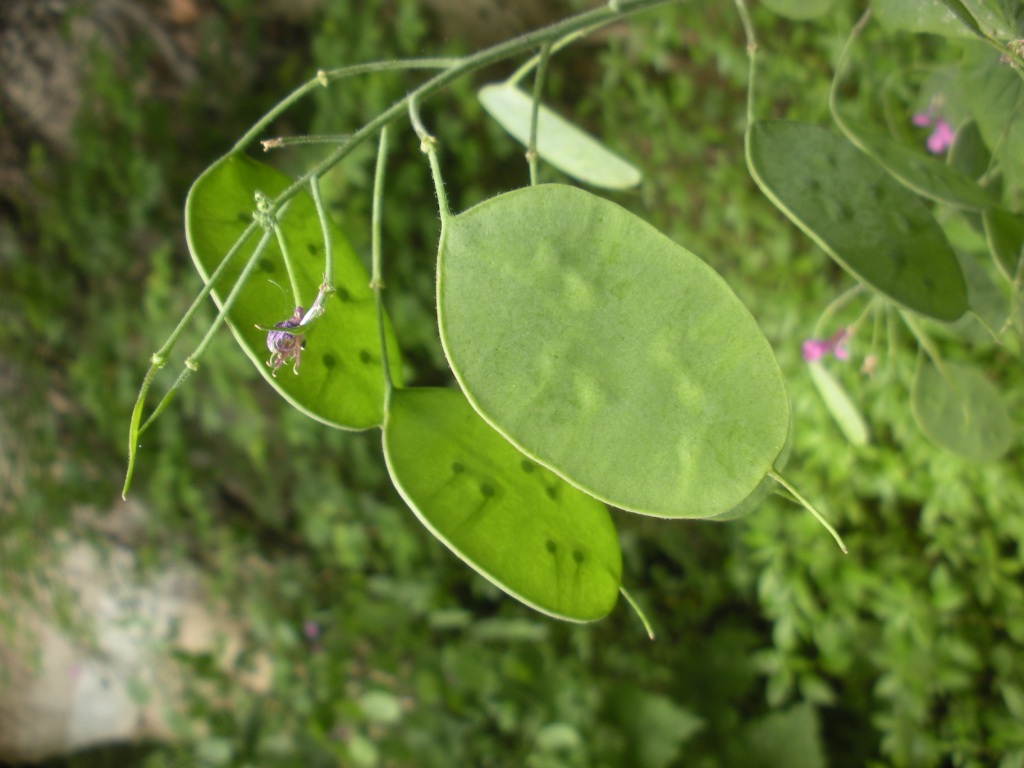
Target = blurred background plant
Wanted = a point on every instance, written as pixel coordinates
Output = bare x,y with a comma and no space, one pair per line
773,648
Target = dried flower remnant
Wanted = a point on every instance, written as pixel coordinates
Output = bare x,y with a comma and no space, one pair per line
868,368
284,346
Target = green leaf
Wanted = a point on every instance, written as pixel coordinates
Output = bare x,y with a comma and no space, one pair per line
867,222
927,176
921,16
340,381
995,94
799,10
764,489
517,524
839,404
746,507
609,353
989,307
960,410
568,148
996,18
970,156
1004,232
963,15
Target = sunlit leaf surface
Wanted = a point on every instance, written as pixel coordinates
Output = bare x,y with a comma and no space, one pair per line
559,142
609,353
339,381
521,526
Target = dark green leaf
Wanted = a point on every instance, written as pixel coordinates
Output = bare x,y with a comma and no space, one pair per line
927,176
1005,234
994,91
962,411
870,224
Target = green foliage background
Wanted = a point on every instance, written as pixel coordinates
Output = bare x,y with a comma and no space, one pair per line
773,650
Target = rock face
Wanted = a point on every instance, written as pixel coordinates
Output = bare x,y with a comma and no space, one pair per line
486,22
88,647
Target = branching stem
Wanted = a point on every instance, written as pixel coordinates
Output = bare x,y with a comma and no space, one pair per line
593,18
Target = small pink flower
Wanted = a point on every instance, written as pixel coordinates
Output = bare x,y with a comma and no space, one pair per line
815,349
311,630
942,134
941,137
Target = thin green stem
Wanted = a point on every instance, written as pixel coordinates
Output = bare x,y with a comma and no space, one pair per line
133,427
293,279
159,358
280,142
326,76
321,212
1016,316
531,63
809,507
844,58
636,609
277,110
835,305
748,30
428,145
377,279
538,90
323,78
192,361
925,341
878,309
593,18
172,340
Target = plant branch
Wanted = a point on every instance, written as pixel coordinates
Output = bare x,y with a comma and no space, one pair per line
324,77
499,52
376,279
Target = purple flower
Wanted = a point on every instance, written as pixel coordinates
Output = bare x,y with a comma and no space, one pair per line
815,349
